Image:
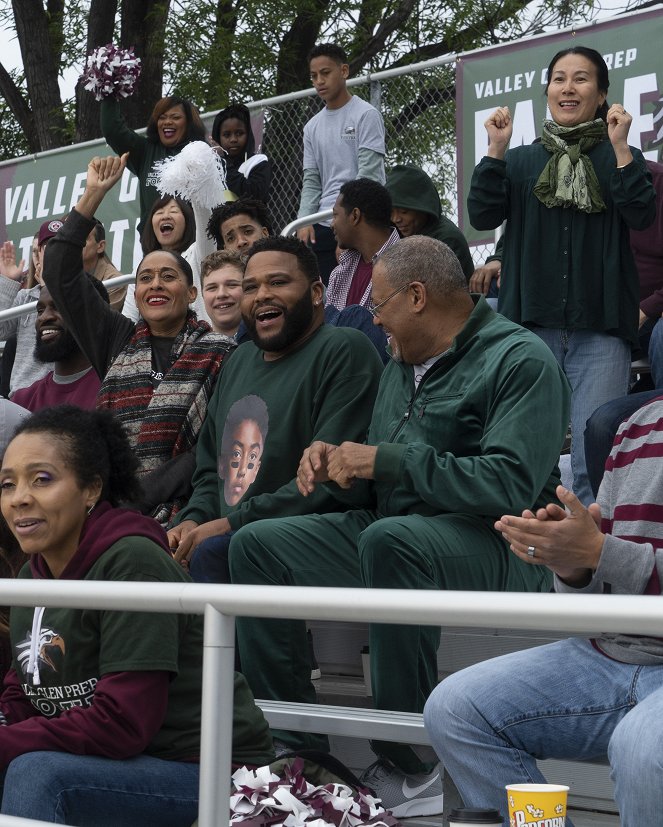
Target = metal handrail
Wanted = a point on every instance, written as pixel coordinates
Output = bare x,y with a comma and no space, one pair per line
220,604
26,309
305,221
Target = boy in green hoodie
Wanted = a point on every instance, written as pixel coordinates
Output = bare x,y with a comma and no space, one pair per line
417,210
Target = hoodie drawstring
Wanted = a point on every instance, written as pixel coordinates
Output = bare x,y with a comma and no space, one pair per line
33,662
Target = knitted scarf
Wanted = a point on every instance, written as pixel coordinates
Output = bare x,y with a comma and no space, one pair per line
164,422
569,179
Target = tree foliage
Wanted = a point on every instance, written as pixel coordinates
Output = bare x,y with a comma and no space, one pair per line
215,50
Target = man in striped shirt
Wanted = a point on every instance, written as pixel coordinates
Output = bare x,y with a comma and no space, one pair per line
574,699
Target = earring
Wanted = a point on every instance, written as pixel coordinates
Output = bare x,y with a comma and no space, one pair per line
91,509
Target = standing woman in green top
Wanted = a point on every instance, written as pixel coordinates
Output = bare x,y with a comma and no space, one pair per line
173,124
569,201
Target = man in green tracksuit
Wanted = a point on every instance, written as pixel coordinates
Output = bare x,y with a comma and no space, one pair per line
468,424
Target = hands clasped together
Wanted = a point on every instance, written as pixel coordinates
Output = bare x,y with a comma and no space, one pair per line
342,464
567,540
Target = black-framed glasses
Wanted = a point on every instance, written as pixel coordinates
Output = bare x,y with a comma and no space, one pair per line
375,311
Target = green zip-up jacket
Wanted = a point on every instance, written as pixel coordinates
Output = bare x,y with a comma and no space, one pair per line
482,433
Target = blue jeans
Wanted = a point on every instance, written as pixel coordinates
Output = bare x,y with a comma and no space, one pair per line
91,791
656,354
490,723
209,561
598,368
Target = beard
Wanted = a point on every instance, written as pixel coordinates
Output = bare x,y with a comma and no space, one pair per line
296,322
62,347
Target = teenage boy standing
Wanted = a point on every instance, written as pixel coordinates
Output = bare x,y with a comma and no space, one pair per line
344,141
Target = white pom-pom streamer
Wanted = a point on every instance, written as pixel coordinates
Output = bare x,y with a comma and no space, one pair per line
196,174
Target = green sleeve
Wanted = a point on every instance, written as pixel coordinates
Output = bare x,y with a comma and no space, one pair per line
633,193
120,137
309,202
529,397
488,198
370,164
499,251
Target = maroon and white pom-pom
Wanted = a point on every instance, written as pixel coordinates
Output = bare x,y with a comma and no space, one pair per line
111,72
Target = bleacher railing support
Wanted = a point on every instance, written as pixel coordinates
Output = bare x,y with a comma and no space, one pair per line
220,604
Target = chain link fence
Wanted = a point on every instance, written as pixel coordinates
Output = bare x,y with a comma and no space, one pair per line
418,105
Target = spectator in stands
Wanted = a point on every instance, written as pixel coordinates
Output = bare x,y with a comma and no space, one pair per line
236,225
174,122
343,141
316,381
248,174
97,263
573,699
362,229
26,368
158,375
221,282
417,210
567,272
129,741
647,247
9,350
171,226
471,414
72,380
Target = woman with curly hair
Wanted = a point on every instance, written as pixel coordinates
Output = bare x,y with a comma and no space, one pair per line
101,713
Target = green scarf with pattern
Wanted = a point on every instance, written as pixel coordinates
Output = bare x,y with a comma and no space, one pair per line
569,179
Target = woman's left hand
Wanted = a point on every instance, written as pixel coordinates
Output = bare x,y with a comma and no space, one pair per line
619,123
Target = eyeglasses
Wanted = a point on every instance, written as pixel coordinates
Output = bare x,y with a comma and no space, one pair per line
375,311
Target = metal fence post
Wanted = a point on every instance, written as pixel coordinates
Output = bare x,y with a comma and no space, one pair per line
216,718
376,95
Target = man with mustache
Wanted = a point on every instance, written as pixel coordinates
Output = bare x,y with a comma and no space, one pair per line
313,379
72,381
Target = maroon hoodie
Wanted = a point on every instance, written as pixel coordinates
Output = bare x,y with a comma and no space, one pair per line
128,708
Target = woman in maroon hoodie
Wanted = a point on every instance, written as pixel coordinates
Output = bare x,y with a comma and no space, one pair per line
101,711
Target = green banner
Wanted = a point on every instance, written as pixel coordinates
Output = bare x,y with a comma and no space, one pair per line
514,75
47,185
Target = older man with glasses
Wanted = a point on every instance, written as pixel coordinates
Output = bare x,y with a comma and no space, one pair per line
468,424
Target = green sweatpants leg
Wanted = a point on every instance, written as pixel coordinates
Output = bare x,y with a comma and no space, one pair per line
356,549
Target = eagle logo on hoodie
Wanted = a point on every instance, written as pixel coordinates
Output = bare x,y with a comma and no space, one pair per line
50,650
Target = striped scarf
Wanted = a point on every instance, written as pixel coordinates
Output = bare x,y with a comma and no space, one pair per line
164,422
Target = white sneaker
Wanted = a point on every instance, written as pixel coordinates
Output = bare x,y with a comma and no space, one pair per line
405,795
